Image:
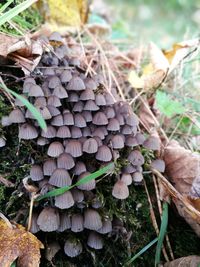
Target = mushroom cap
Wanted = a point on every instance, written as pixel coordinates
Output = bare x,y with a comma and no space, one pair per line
120,190
90,84
60,92
73,248
77,223
2,142
65,222
68,118
106,227
54,101
132,120
34,226
79,121
5,121
78,195
73,97
86,132
90,105
117,141
136,158
95,240
65,76
110,112
153,143
158,164
100,119
137,177
140,138
63,132
27,132
64,201
55,36
49,167
131,141
60,178
78,107
55,149
49,133
104,154
40,101
87,95
126,178
76,84
90,185
42,141
48,219
53,82
98,132
57,120
65,161
92,219
16,116
53,110
76,132
100,100
74,148
79,168
35,90
44,112
87,115
109,99
36,173
90,146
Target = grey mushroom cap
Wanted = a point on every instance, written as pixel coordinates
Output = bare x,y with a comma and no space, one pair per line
100,100
68,118
79,121
2,142
65,222
65,76
104,154
76,132
126,178
90,146
49,167
48,219
42,141
78,195
158,164
55,149
92,220
109,99
64,201
53,110
88,186
79,168
131,141
35,90
140,138
77,223
73,248
40,101
137,177
5,121
16,116
136,158
27,132
74,148
95,240
106,227
153,143
132,120
87,95
57,120
120,190
109,112
54,101
90,105
53,82
60,92
117,141
65,161
87,115
60,178
34,226
63,132
36,173
49,133
73,97
78,107
100,119
76,84
90,84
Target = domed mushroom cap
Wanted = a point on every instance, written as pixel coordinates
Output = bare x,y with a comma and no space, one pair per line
109,112
73,97
104,154
153,143
117,141
92,219
64,201
132,119
131,141
73,248
40,101
100,119
120,119
55,36
65,161
140,138
136,158
106,227
36,173
87,95
60,92
2,142
74,148
48,220
126,129
120,190
79,168
78,195
49,133
65,76
35,90
86,186
95,240
57,120
86,132
42,141
113,125
76,84
109,99
55,149
90,84
126,178
77,223
90,105
78,107
79,121
16,116
54,101
27,132
27,86
44,112
54,81
129,168
68,118
65,222
53,110
100,100
49,72
63,132
60,178
49,167
90,146
5,121
137,177
76,132
98,132
34,227
87,115
158,164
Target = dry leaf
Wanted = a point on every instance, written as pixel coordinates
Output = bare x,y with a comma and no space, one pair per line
6,42
16,243
190,261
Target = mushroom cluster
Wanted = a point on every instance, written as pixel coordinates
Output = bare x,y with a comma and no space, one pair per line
86,129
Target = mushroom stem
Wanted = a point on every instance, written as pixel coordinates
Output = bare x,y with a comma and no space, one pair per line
33,196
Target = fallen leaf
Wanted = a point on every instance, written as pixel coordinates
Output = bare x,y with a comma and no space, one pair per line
190,261
17,243
6,42
135,80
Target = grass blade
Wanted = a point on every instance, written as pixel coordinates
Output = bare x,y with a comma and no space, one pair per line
60,191
15,11
144,249
29,106
5,5
162,233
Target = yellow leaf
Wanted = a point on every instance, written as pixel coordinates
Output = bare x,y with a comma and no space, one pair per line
16,243
158,59
135,80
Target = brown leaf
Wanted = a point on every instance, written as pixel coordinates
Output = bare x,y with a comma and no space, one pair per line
16,243
6,42
190,261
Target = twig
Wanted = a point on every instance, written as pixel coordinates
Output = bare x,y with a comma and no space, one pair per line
6,182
